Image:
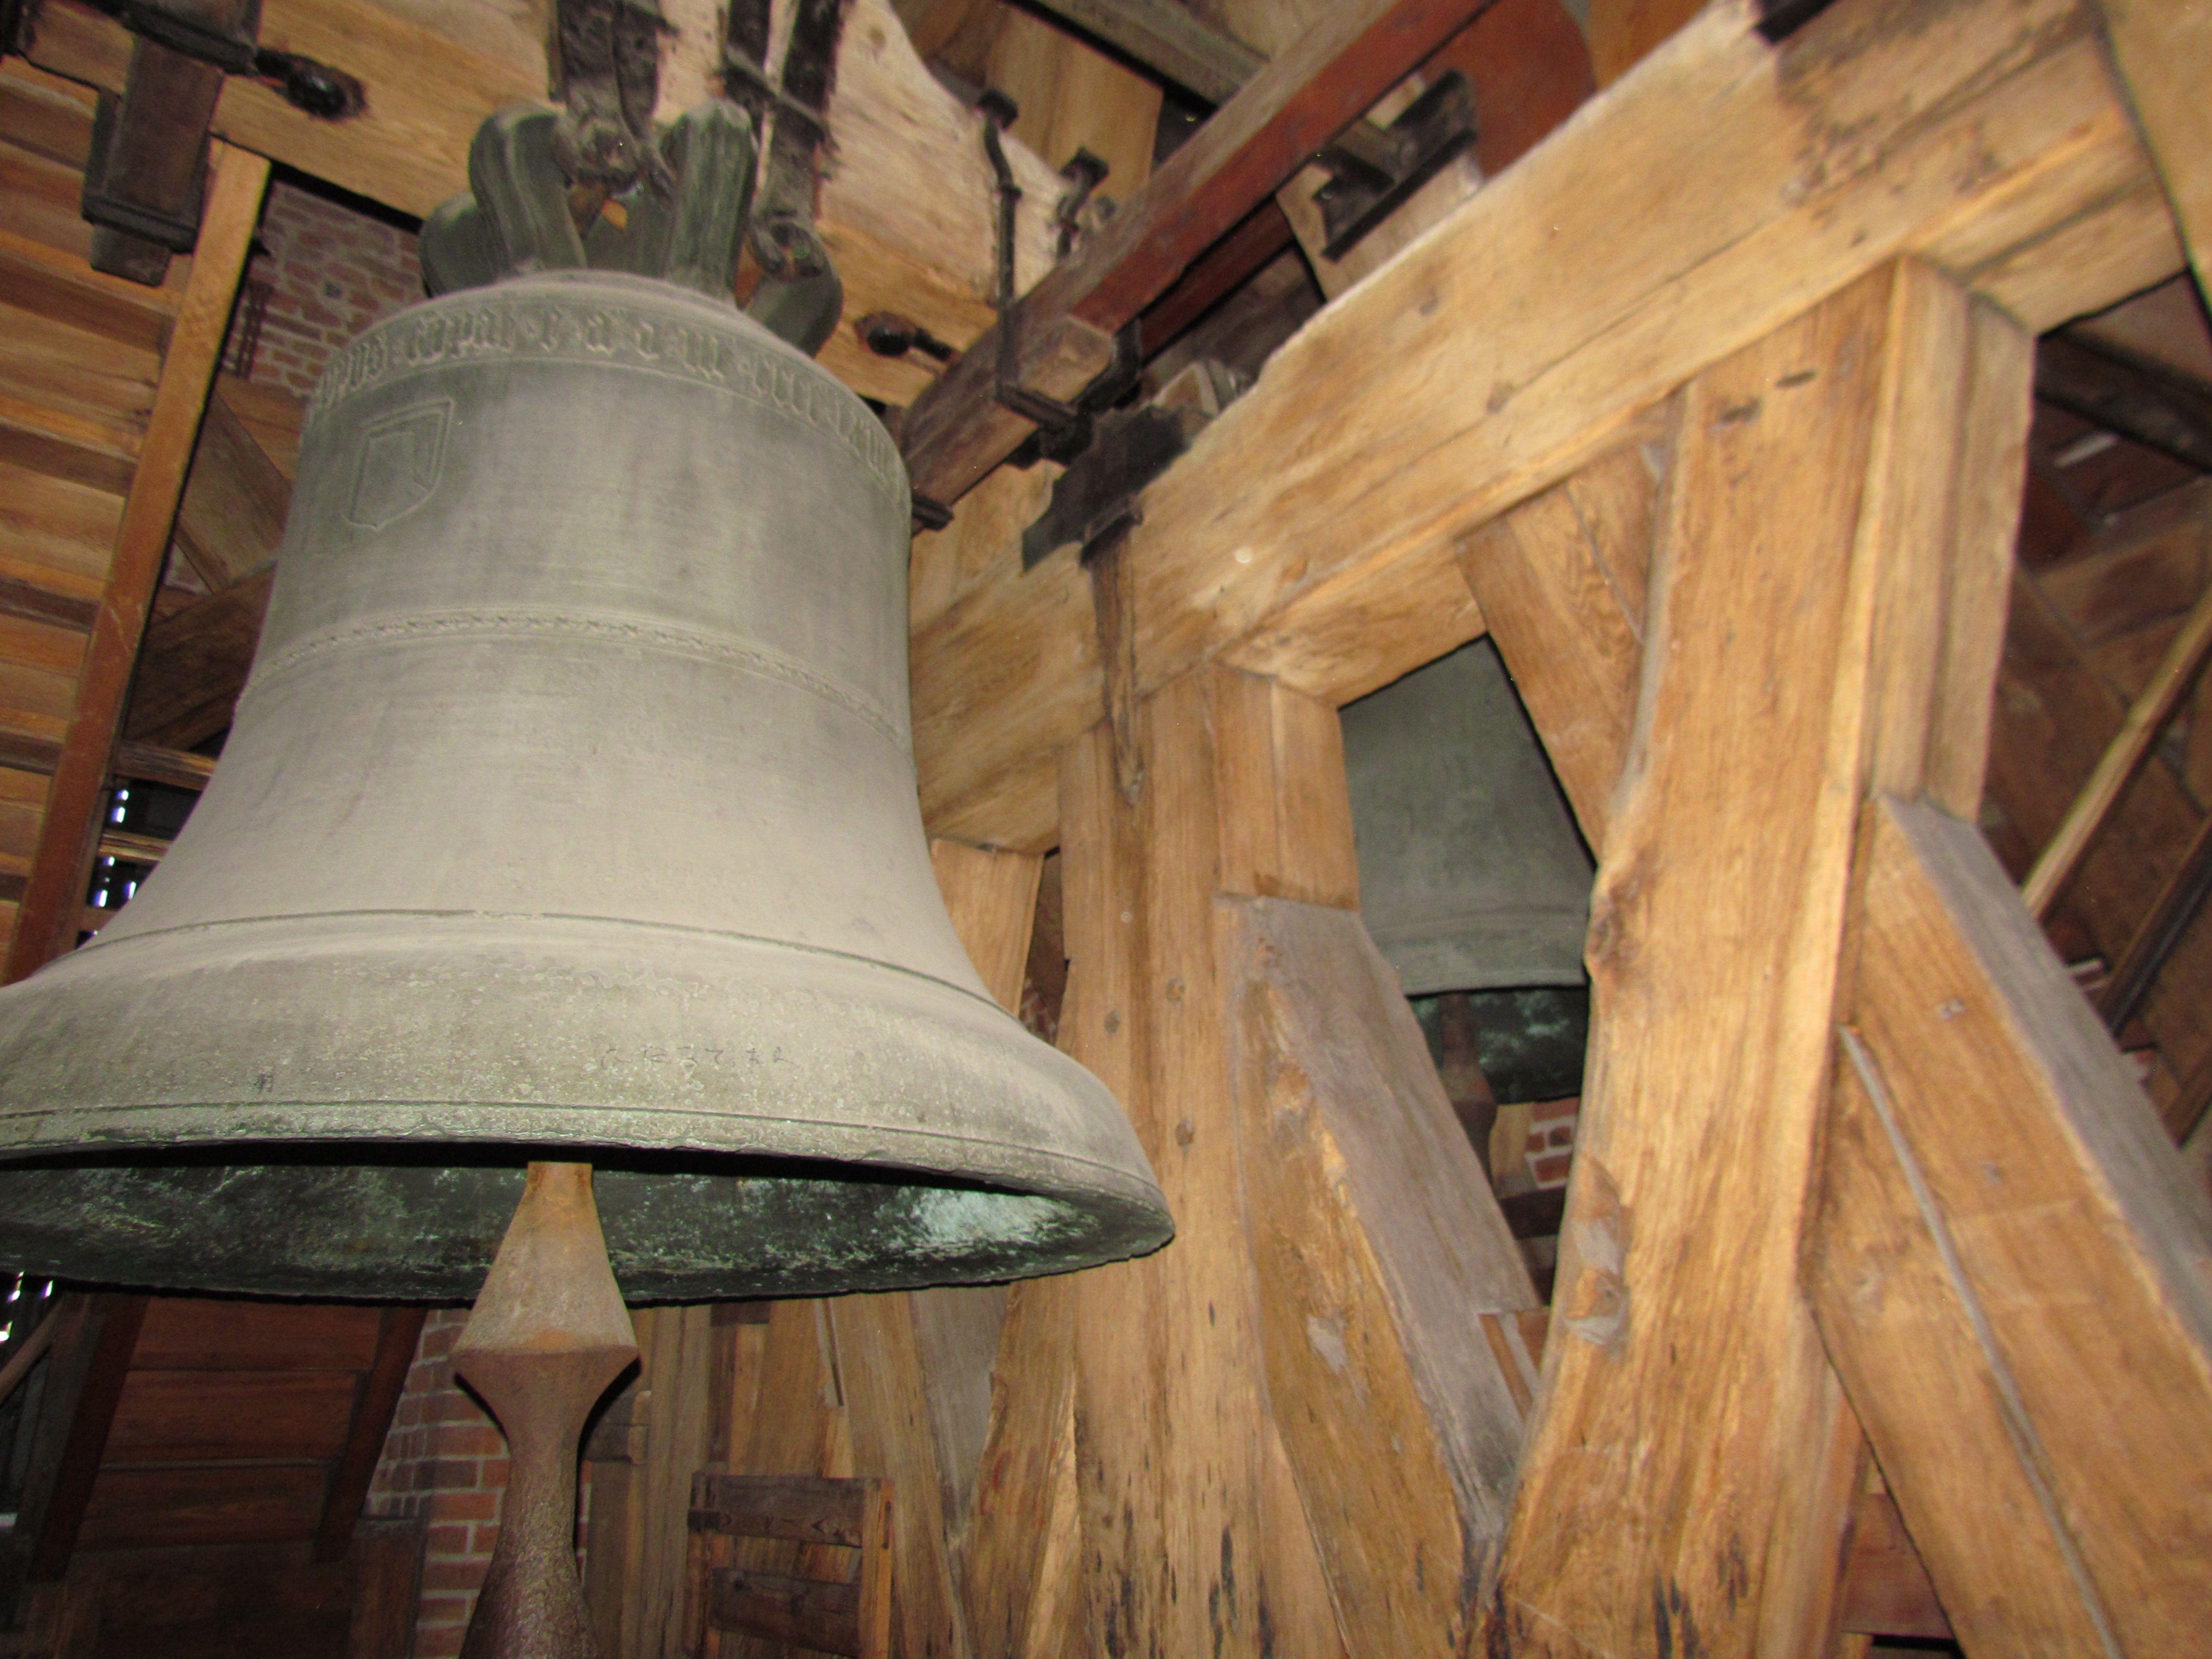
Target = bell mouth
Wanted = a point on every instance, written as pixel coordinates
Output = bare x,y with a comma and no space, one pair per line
343,1107
380,1222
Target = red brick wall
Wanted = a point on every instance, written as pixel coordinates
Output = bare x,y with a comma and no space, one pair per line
332,271
1551,1139
444,1463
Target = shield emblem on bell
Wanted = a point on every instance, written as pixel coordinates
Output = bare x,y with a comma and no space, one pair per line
400,459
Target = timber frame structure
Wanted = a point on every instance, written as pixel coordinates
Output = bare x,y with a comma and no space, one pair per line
1710,411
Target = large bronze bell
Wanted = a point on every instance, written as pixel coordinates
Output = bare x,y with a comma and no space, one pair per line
1472,875
570,813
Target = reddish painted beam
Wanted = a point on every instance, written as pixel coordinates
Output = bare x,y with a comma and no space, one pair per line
1226,266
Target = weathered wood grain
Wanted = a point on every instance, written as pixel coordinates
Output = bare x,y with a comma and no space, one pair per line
1793,646
1561,580
2011,1269
46,924
1375,1238
1509,346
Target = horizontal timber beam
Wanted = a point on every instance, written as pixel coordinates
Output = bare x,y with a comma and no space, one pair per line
1713,194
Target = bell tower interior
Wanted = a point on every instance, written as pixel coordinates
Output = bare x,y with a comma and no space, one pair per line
1032,828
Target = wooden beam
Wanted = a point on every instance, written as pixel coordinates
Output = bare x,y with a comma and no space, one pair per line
887,1399
84,1386
178,768
1698,204
2062,856
46,923
1285,1429
1378,1251
1170,1425
231,518
2008,1266
957,431
2123,397
2162,53
1814,580
2173,913
1561,580
398,1332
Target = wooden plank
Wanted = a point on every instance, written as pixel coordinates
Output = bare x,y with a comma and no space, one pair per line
46,924
58,286
1073,96
2176,676
880,1368
57,532
799,1429
675,1345
1018,1547
1167,1418
399,1333
1842,148
2011,1268
1174,1442
79,1405
387,1591
2163,56
189,1503
179,769
190,1416
1799,604
194,666
956,432
231,518
1561,581
991,897
204,1333
801,1508
1374,1238
1885,1588
807,1613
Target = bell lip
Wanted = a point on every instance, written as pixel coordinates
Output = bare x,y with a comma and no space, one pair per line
651,1264
124,1133
874,1064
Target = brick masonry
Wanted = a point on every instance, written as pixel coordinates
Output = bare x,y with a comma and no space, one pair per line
445,1464
331,270
1552,1140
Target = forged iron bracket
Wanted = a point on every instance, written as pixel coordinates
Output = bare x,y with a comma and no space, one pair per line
146,168
1046,414
606,77
1095,500
1432,131
1084,172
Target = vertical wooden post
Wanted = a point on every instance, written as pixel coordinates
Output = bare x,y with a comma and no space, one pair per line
1822,590
53,896
1281,1443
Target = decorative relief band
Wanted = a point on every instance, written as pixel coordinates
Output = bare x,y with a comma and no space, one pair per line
552,327
654,637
